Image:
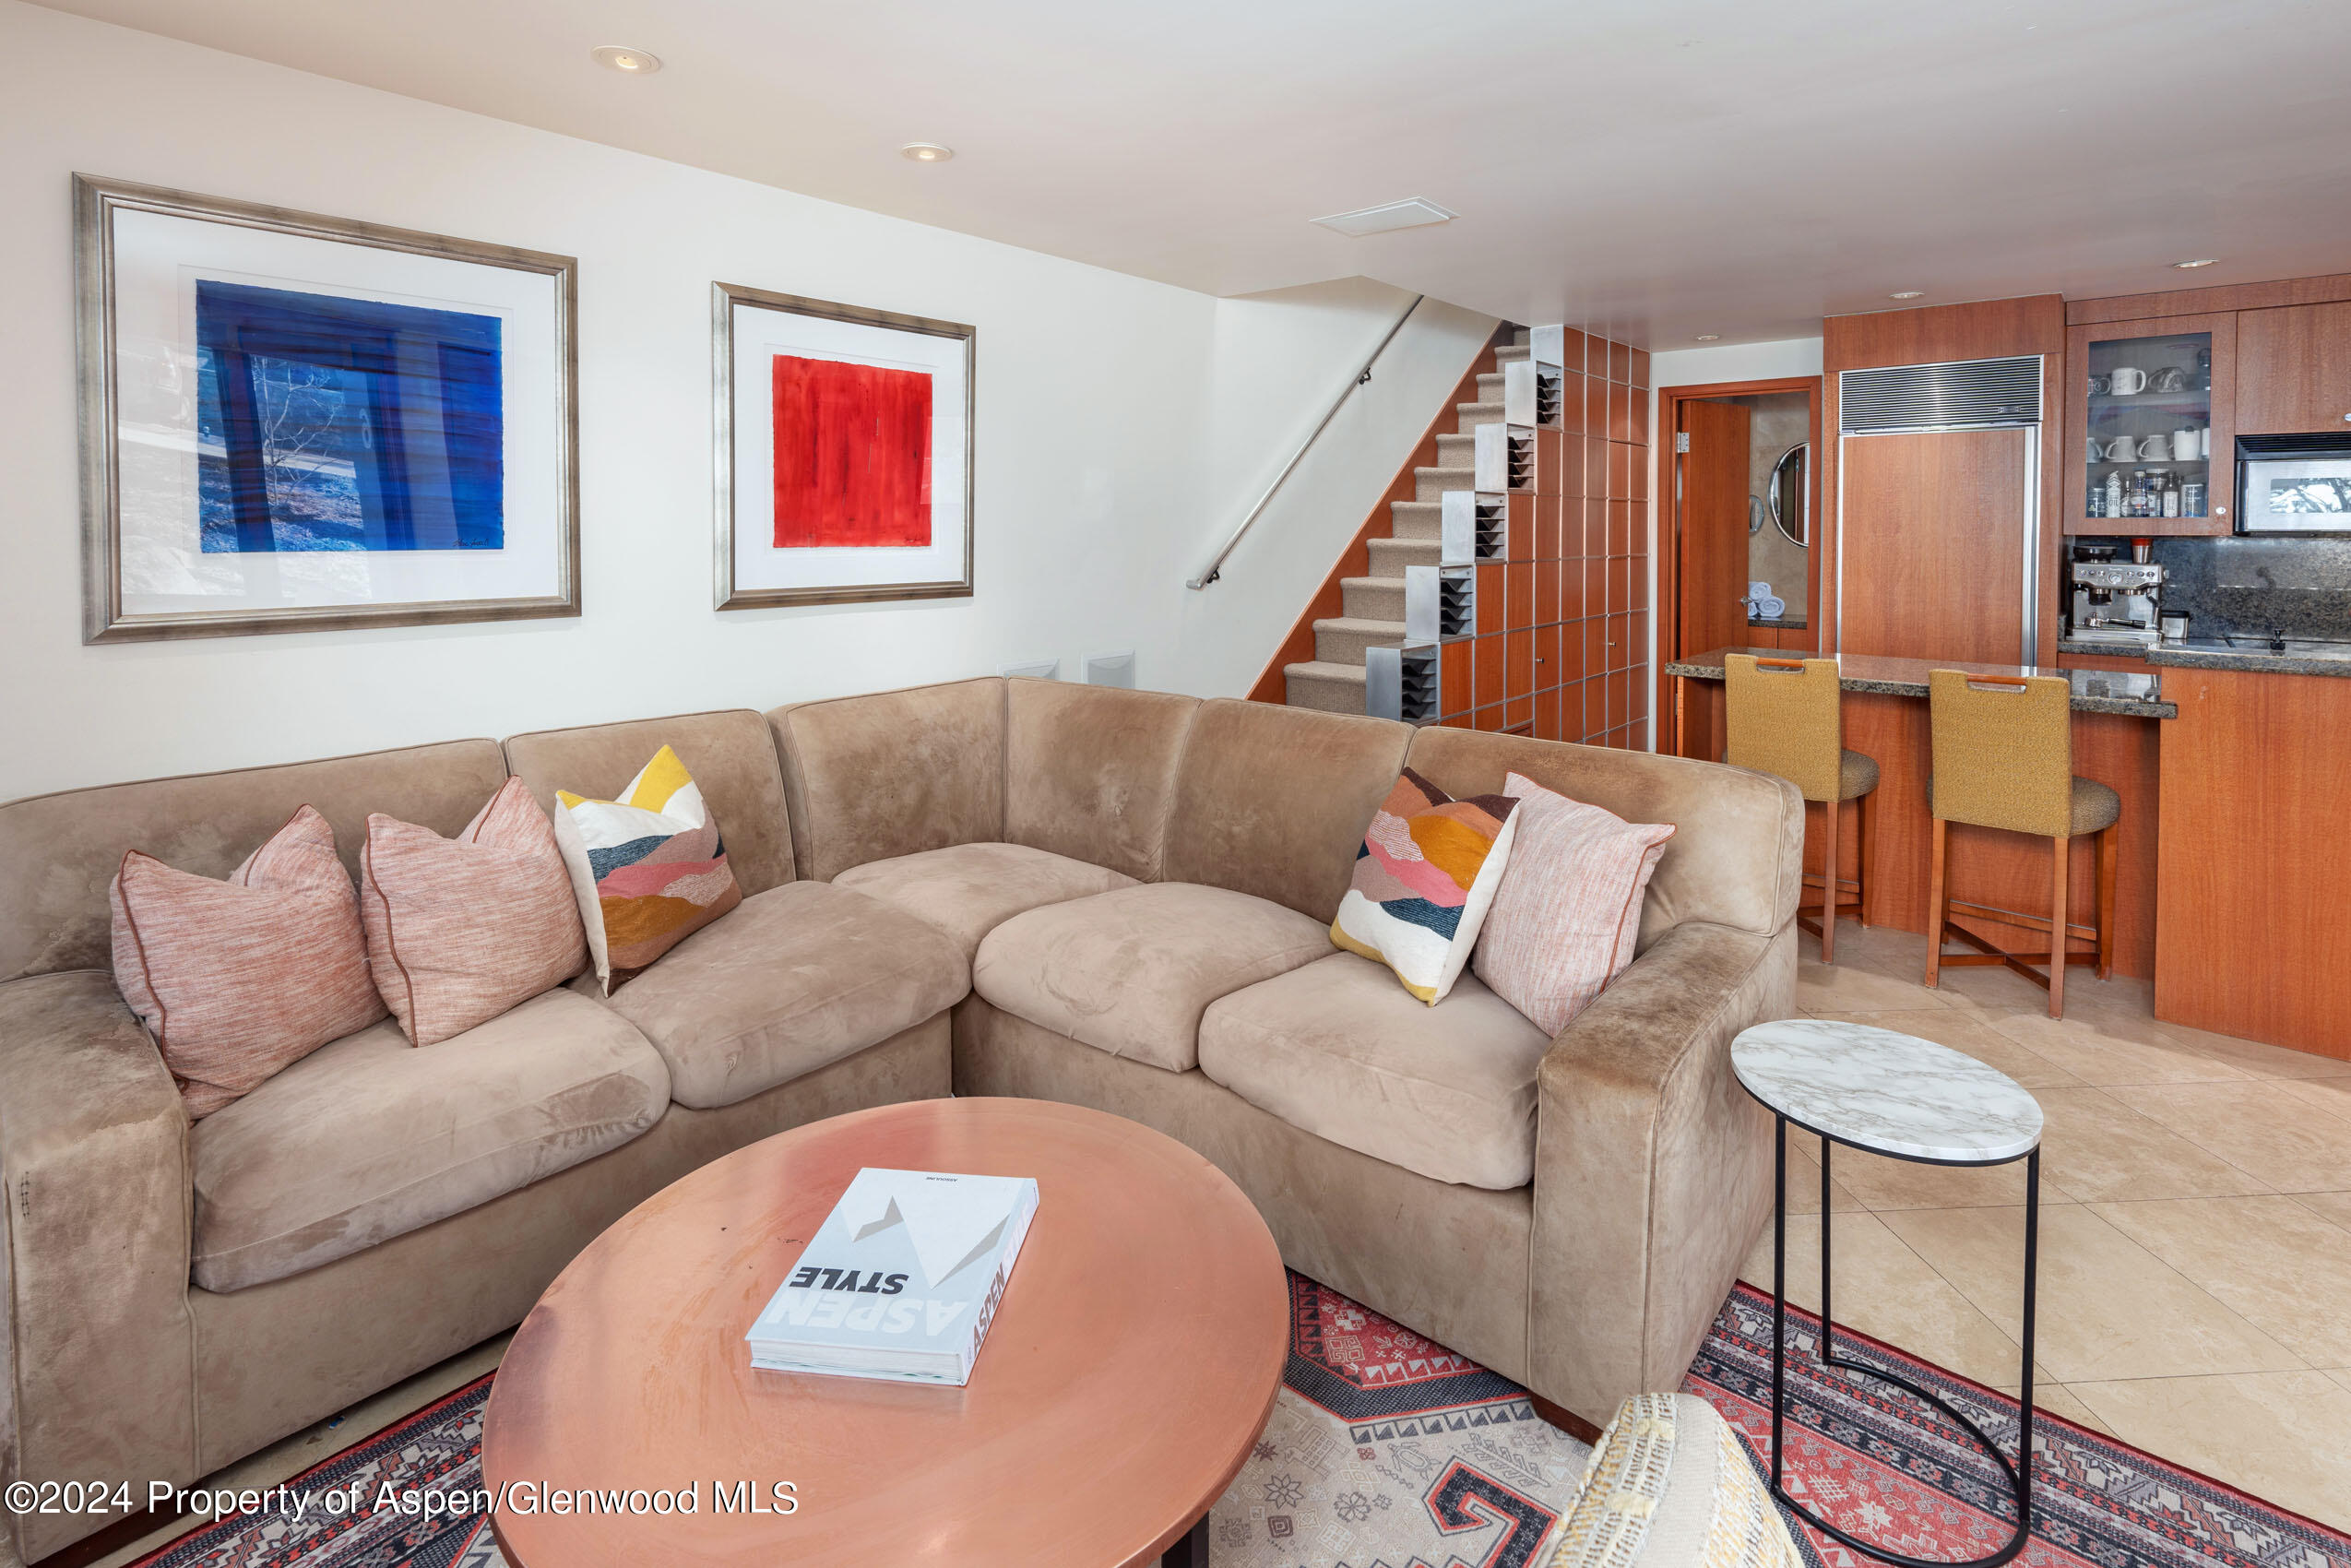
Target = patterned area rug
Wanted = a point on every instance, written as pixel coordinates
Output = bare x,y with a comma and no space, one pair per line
1387,1451
1884,1465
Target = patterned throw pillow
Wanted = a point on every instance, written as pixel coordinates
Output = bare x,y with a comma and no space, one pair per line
1670,1484
1424,877
238,977
459,929
648,869
1566,919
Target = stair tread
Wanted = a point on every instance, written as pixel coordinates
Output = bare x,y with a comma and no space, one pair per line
1466,470
1509,353
1360,623
1323,670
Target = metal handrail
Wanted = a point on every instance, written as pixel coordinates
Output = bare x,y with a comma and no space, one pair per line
1215,566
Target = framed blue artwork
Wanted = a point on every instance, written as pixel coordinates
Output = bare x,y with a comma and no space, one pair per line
294,423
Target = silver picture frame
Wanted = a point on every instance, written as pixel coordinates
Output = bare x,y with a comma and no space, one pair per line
97,202
726,300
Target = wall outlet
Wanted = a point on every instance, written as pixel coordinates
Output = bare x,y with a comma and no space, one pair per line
1111,668
1035,668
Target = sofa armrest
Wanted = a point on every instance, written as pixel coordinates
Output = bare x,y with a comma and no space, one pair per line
94,1147
1652,1166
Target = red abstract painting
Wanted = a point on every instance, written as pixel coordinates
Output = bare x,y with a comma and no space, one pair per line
852,454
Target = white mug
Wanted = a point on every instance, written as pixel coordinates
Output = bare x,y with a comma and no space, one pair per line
2122,449
2154,447
2128,380
2183,445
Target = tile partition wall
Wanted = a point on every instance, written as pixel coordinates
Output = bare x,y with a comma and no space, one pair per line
1561,634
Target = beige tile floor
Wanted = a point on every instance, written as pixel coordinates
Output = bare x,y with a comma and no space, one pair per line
2195,1289
2195,1294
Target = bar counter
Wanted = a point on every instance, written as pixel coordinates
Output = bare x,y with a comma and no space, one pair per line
2234,773
2129,693
2117,717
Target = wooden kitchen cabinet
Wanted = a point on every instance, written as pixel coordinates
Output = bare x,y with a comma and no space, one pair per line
2294,370
2203,353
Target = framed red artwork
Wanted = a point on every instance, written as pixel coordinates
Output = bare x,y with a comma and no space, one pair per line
844,450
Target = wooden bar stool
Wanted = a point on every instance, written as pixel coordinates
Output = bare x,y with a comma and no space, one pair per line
2003,757
1786,717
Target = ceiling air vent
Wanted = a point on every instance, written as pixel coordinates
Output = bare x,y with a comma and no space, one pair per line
1411,214
1961,395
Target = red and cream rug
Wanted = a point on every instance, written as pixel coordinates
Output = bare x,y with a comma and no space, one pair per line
1388,1451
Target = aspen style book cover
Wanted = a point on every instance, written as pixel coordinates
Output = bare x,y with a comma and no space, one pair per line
902,1279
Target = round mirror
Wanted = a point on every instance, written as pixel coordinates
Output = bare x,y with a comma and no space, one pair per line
1789,496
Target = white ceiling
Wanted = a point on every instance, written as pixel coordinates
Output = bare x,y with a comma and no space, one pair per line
1653,168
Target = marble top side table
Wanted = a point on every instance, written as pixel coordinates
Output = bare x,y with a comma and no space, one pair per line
1906,1098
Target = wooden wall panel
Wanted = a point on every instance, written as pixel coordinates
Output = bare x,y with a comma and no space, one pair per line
1934,549
2197,302
1989,329
2253,939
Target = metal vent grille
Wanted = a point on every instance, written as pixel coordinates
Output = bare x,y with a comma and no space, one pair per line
1961,395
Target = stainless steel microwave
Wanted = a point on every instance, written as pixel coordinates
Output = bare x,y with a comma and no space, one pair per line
2294,484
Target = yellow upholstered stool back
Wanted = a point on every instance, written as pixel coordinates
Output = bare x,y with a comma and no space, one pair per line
2003,751
1784,719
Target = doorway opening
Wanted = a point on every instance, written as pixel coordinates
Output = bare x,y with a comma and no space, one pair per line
1739,564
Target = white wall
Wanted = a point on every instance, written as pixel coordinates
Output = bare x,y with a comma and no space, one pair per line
1280,359
1102,470
1705,367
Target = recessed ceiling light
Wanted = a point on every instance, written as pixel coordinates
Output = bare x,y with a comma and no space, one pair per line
618,57
2205,261
926,153
1709,337
1413,213
1907,294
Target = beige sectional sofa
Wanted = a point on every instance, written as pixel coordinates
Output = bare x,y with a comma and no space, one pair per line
1115,898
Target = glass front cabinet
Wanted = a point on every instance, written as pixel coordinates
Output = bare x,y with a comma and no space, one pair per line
2154,441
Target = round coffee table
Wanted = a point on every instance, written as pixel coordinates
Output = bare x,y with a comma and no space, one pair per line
1130,1368
1907,1098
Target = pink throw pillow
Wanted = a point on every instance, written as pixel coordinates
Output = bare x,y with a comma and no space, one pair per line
1568,912
238,977
459,929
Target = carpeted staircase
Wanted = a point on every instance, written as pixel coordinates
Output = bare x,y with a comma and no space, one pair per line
1332,679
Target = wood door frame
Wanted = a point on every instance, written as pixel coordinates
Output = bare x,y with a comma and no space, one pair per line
1666,605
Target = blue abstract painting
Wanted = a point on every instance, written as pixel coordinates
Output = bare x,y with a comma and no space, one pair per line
333,423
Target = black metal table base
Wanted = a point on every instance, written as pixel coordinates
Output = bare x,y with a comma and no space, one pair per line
2019,1471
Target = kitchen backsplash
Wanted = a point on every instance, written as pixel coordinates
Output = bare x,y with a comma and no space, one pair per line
2295,587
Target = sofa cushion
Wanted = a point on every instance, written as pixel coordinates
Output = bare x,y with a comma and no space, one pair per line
1132,972
238,977
459,929
59,852
1339,1050
1274,800
1424,878
368,1138
893,773
967,890
1090,771
1735,833
648,866
797,976
731,753
1564,923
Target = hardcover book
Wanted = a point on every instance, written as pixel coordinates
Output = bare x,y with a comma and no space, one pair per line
902,1279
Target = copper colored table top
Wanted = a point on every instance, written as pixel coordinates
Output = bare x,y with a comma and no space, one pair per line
1131,1366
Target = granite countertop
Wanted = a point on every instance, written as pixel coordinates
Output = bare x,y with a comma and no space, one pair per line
1778,622
2302,657
2099,649
2123,691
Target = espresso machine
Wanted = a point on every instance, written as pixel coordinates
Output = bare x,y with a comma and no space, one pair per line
2116,601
